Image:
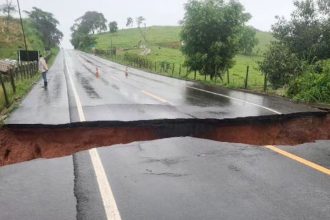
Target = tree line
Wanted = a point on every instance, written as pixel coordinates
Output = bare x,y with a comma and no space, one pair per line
92,22
44,22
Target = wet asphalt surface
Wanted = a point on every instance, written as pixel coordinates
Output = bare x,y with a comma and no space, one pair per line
140,96
176,178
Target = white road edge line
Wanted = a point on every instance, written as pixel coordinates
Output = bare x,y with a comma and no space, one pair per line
108,199
237,99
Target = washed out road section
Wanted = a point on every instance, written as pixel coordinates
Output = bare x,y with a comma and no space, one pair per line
22,143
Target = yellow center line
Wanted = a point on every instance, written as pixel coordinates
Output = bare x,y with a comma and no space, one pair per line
154,96
299,160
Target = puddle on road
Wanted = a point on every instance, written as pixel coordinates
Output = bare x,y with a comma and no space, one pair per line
18,144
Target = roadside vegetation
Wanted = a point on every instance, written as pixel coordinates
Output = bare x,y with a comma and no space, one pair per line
299,58
292,60
42,35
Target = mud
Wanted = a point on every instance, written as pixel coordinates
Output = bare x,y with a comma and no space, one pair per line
20,143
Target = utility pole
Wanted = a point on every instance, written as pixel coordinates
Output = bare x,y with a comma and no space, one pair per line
20,16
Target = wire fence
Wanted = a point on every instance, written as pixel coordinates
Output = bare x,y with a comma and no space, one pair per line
230,79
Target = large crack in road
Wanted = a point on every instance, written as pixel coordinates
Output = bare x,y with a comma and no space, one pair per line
20,143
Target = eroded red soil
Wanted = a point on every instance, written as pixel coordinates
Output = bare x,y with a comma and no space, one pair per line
23,144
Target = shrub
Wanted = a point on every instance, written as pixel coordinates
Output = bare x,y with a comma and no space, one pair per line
280,65
313,85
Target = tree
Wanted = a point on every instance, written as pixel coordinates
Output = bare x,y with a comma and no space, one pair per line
92,22
139,21
324,6
113,26
248,40
280,65
307,32
211,32
129,22
8,9
46,24
82,40
84,28
301,41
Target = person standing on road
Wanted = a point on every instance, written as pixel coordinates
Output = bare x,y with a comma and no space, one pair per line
43,68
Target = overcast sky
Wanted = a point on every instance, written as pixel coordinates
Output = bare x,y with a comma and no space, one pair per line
156,12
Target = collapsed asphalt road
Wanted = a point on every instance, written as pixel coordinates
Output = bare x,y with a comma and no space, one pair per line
175,178
22,143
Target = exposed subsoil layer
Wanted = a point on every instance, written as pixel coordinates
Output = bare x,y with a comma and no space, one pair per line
20,143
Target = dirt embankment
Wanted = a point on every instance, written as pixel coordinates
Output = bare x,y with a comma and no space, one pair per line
23,143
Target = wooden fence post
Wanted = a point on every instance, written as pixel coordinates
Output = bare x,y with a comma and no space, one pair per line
228,77
215,74
195,75
31,70
247,77
28,70
265,83
26,75
12,81
180,69
173,69
21,75
4,90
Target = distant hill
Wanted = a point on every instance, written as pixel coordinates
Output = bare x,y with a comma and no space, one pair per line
159,36
12,39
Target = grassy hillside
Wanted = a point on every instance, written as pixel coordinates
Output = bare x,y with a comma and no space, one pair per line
164,36
12,39
164,42
264,38
130,38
